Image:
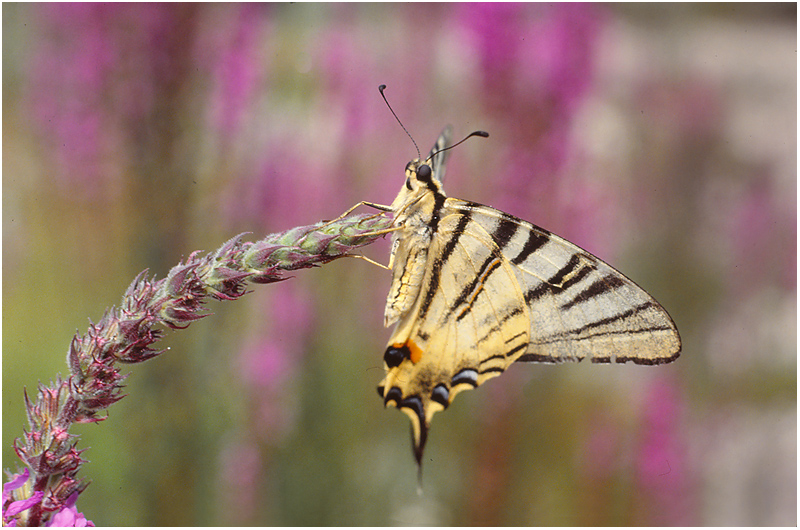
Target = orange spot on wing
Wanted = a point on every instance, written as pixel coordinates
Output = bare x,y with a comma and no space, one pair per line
416,352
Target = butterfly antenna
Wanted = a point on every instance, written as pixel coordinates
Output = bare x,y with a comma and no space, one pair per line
482,134
381,88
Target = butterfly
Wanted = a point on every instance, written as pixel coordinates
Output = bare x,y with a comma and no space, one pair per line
475,289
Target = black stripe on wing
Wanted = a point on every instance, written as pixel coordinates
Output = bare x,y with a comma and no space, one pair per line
535,241
439,262
603,285
556,281
505,232
473,289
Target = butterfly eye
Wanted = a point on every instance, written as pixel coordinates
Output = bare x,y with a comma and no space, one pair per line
424,172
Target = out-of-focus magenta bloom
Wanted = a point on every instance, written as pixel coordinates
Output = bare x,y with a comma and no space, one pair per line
231,51
268,365
349,61
757,227
69,515
266,368
536,65
95,88
347,84
287,178
664,485
536,56
69,71
265,364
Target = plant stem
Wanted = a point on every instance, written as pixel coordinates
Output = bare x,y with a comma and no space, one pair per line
126,333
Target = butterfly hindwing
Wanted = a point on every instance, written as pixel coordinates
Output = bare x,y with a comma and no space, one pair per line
469,305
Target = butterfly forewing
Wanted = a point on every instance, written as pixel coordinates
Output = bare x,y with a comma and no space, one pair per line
475,289
579,305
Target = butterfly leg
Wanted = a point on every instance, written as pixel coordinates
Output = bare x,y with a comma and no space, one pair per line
363,203
377,206
381,207
368,260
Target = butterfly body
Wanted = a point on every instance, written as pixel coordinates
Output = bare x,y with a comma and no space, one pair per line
475,289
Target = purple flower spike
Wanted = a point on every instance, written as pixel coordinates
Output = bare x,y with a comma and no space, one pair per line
126,333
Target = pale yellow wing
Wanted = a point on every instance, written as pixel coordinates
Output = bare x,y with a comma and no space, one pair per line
579,305
467,325
496,290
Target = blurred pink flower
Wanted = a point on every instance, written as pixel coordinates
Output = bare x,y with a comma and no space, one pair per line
266,368
758,228
68,73
273,358
541,58
538,56
288,188
691,109
664,484
266,364
95,79
230,49
347,82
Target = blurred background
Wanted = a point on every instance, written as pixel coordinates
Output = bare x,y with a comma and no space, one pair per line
661,138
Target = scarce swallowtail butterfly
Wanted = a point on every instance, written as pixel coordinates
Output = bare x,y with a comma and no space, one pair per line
475,289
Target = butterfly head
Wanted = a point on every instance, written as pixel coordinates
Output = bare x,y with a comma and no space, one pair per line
421,182
420,176
430,172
